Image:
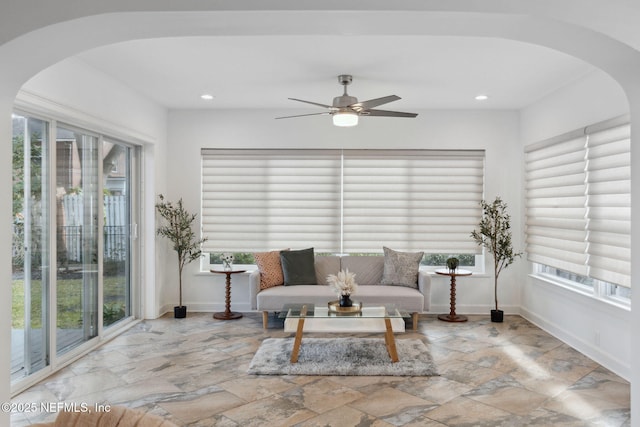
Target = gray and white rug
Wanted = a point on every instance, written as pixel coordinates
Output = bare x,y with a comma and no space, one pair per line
342,356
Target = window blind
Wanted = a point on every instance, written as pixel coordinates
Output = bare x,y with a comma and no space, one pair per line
609,200
579,204
350,201
412,200
255,200
556,224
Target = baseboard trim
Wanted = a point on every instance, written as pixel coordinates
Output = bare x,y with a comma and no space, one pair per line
473,309
206,308
594,353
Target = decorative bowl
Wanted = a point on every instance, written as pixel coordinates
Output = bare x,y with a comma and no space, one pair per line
334,307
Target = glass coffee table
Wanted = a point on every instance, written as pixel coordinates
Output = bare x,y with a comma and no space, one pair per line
301,318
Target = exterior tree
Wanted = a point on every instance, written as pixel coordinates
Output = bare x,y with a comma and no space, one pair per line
178,229
494,234
20,199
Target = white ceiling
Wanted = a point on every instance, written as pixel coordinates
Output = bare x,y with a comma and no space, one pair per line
262,72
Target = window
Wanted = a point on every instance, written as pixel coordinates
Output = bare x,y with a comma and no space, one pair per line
411,200
579,206
270,199
342,201
603,290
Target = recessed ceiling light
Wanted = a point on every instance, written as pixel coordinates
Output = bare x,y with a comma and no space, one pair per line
207,97
482,97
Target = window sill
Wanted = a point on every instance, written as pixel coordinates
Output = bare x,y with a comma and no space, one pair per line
578,290
251,268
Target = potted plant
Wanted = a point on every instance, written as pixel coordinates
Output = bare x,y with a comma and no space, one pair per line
494,234
452,264
344,284
178,229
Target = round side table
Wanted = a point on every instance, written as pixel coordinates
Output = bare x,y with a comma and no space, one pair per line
227,314
452,316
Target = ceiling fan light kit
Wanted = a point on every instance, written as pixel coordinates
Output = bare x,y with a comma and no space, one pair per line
345,119
346,109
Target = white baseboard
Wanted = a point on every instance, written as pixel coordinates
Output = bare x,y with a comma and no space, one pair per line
472,309
207,308
597,354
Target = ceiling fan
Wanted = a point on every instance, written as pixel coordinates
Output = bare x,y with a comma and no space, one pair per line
346,109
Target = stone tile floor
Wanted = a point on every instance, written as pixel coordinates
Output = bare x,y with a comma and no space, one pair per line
193,371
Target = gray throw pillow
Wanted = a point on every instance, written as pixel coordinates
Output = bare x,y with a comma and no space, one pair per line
401,268
298,267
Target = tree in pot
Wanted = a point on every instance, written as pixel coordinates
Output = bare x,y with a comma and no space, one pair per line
178,229
494,234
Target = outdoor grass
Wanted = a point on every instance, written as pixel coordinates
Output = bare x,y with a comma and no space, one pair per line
69,301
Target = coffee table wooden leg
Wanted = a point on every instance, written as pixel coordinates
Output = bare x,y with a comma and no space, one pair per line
390,341
298,340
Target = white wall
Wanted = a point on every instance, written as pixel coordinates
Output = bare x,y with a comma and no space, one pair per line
588,100
597,329
73,92
495,131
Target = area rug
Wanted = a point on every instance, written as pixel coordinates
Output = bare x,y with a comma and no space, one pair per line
342,356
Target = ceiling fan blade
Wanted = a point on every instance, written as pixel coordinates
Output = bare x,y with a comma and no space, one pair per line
384,113
365,105
302,115
312,103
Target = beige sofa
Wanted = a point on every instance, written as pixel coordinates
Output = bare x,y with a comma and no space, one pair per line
368,271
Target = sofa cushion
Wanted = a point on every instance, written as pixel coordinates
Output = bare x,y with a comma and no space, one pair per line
326,265
270,268
298,267
405,298
273,299
368,269
401,268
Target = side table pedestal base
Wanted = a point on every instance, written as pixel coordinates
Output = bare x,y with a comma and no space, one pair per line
452,318
227,316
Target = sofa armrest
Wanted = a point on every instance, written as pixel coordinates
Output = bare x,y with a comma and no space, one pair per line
424,286
254,288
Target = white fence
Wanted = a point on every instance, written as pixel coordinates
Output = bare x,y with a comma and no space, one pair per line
116,233
71,230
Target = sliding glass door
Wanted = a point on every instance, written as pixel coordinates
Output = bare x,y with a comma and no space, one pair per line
118,231
74,233
30,247
78,201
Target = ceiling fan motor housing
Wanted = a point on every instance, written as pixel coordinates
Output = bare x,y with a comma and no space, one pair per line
344,101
